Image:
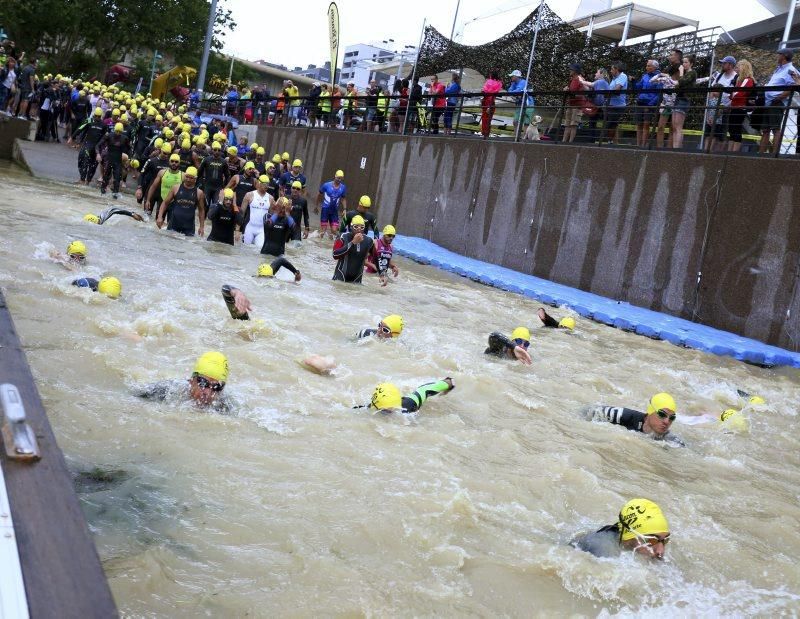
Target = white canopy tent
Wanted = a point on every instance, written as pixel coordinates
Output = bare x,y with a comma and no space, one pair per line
630,21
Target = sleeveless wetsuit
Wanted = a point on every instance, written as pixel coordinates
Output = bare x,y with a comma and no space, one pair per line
258,210
381,254
350,258
223,223
244,185
184,207
277,230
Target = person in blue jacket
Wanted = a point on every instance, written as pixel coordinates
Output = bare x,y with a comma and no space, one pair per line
646,103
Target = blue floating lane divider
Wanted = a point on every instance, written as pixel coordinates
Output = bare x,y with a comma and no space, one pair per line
600,309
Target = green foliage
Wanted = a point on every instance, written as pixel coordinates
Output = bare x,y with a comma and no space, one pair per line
65,33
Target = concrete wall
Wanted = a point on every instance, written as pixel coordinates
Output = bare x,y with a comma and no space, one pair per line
637,226
11,129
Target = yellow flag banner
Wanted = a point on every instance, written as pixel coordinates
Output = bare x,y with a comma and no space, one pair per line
333,30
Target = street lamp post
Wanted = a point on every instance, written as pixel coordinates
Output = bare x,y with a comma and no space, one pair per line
156,56
201,77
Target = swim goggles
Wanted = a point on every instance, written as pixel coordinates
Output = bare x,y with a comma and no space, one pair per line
77,257
524,343
204,383
358,226
663,414
385,329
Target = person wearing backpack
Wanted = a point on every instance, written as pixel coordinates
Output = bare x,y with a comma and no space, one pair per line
742,103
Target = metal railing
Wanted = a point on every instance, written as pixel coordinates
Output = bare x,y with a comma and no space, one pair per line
708,120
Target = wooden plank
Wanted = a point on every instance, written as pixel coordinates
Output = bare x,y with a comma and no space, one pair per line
62,571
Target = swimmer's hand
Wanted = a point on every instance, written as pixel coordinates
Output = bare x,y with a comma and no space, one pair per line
449,381
201,232
297,276
305,233
237,237
383,280
357,238
522,355
159,223
395,270
241,301
137,217
138,194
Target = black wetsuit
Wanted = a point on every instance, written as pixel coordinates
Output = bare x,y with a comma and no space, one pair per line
244,185
144,136
499,345
118,144
366,333
601,543
186,159
214,175
549,321
150,171
632,420
234,167
350,258
370,221
299,210
273,188
91,133
223,223
261,167
86,282
80,110
277,230
184,208
110,212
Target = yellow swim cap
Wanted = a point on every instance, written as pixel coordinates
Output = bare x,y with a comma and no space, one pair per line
364,201
358,220
228,193
115,112
260,151
135,164
232,150
386,396
168,133
98,111
253,146
265,270
249,165
339,174
186,144
643,517
110,286
166,147
661,401
76,247
213,365
297,163
119,128
159,142
174,157
733,420
395,323
568,322
263,179
190,171
286,156
159,118
521,333
276,158
756,399
297,185
389,229
91,218
216,146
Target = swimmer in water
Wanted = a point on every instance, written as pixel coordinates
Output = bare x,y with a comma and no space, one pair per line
731,420
568,322
656,421
75,256
204,387
387,398
389,327
109,286
269,270
641,528
515,347
109,213
380,259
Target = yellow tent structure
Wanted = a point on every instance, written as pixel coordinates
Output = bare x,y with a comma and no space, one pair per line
177,76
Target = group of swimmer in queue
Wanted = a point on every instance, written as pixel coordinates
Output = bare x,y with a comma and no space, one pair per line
641,526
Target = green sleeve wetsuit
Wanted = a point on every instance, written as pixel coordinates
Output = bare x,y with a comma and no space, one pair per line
414,401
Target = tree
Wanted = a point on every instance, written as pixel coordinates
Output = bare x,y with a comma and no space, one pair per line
110,29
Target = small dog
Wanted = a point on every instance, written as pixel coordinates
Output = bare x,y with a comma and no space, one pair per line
532,132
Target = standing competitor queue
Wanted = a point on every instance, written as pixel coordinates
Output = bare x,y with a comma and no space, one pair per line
191,174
